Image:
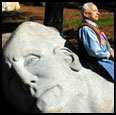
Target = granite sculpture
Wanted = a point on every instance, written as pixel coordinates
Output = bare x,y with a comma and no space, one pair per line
39,63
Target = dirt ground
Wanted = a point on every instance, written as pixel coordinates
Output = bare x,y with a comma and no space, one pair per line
11,20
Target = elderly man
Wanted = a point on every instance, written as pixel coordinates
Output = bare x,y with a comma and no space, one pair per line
38,65
94,43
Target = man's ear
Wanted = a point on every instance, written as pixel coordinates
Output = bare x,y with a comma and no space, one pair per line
69,57
86,14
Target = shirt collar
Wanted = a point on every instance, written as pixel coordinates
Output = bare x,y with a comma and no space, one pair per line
91,22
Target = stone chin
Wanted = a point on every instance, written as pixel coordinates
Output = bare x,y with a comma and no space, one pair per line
50,100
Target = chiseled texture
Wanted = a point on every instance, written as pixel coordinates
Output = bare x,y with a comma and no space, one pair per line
10,6
42,65
5,37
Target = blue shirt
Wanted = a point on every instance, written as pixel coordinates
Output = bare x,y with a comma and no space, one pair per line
91,43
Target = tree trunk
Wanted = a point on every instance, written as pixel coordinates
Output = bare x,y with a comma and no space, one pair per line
54,15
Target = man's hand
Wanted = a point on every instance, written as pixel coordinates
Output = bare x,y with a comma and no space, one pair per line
112,54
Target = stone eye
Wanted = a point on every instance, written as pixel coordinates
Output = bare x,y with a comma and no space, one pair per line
31,60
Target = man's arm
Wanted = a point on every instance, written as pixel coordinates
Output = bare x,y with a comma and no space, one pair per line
110,50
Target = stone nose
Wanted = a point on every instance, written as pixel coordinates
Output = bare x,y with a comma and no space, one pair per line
32,84
15,90
26,76
29,80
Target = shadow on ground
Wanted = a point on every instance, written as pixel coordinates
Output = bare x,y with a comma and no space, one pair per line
20,16
14,15
9,27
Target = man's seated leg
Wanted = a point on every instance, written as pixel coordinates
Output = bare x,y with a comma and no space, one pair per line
108,65
99,69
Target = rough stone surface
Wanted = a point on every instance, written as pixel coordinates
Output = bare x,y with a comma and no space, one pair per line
40,66
5,37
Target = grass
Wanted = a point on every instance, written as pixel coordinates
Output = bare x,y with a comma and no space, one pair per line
106,22
65,23
27,19
76,23
101,22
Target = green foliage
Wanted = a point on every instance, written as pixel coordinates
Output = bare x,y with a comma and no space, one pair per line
106,22
101,22
76,23
65,23
27,19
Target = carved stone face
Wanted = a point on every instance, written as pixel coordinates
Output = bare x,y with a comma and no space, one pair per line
40,65
43,64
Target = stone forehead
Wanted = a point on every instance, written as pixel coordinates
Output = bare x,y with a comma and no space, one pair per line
31,36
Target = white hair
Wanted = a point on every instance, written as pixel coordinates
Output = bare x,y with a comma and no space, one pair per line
86,7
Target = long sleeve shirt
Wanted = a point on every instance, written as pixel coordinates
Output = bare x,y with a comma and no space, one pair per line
91,43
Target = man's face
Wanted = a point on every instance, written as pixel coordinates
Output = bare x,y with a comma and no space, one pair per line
93,14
